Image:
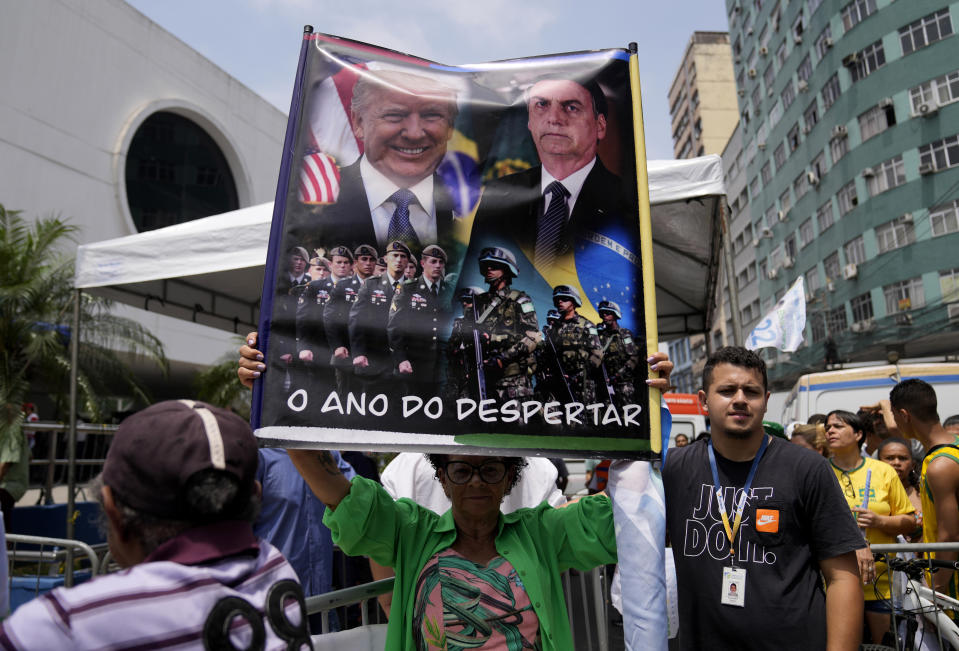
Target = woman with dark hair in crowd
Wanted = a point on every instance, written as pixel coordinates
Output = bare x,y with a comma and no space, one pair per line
878,502
896,452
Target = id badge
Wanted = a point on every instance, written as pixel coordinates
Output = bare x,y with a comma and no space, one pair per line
734,587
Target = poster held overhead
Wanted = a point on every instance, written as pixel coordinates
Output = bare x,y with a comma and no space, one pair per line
511,183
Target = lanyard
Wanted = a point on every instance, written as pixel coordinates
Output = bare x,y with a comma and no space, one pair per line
732,531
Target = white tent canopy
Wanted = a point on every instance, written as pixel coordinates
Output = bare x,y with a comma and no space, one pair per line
210,270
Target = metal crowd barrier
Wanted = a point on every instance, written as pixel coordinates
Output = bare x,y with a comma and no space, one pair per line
587,604
902,595
37,564
50,452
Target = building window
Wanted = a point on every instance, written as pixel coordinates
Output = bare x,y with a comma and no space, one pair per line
775,113
905,295
836,320
817,326
175,172
789,94
766,173
876,120
941,154
804,72
799,25
811,116
769,75
825,216
801,185
757,97
861,308
781,54
806,234
812,6
831,266
838,147
944,219
763,269
925,31
855,251
856,12
741,80
847,198
939,91
895,234
686,150
789,247
779,156
754,187
785,201
886,175
830,92
793,138
949,285
812,280
819,166
867,61
824,42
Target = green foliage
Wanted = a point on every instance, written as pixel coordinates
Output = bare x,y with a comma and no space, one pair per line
219,386
36,314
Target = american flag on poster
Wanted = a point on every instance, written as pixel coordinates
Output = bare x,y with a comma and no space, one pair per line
319,178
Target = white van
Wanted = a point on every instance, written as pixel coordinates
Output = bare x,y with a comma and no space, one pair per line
689,417
851,388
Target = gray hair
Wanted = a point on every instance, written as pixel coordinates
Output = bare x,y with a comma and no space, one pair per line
211,496
372,82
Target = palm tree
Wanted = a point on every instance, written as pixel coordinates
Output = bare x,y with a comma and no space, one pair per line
219,385
36,301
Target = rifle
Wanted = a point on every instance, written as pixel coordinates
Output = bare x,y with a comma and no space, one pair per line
478,356
610,391
558,367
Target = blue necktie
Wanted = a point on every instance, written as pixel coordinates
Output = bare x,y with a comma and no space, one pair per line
551,225
400,227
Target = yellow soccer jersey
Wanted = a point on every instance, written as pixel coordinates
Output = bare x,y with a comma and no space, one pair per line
929,521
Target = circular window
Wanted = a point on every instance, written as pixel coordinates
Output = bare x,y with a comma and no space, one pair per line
175,173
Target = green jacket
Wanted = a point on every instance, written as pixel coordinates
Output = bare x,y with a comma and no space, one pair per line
541,543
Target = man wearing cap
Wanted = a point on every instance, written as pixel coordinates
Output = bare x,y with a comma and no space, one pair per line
336,315
368,319
419,325
288,287
380,267
545,207
620,353
507,319
364,261
392,192
412,268
319,268
577,345
179,495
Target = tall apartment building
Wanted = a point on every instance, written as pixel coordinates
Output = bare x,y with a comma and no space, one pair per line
703,112
848,112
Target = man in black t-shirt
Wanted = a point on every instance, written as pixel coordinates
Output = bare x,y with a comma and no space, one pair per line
794,525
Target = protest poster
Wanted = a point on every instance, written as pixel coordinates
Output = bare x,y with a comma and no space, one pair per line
428,221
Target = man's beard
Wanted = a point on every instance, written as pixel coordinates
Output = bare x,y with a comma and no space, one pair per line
739,434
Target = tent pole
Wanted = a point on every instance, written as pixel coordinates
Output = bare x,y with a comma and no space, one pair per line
730,276
72,435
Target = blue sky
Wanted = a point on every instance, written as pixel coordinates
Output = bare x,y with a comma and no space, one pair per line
258,41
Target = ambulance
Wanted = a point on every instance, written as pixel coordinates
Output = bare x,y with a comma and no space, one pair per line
689,417
852,388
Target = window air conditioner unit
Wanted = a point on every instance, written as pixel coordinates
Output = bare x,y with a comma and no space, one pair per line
812,178
803,86
749,32
830,286
907,218
885,102
769,91
773,274
928,109
781,215
904,319
952,309
850,59
756,243
761,144
856,327
828,42
764,50
927,168
806,129
742,92
865,325
752,73
788,263
767,232
868,173
797,40
850,271
839,131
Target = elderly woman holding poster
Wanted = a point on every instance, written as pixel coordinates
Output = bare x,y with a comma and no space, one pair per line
472,576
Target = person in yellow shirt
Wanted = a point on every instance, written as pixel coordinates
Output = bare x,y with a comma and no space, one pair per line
879,504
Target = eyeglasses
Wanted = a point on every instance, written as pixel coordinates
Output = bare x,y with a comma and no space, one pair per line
461,472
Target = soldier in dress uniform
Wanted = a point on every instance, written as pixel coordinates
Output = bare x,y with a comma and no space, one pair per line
319,268
419,325
368,319
620,353
577,344
380,267
289,283
336,315
364,261
312,350
510,332
412,268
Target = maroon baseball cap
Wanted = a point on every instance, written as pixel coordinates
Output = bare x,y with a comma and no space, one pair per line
156,452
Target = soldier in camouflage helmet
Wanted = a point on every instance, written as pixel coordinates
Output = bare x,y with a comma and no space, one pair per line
459,348
510,332
621,354
577,344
